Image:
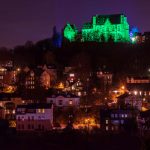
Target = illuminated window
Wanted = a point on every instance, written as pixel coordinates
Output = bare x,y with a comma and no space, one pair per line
122,115
106,121
39,110
43,110
135,92
126,115
140,93
70,102
107,128
112,128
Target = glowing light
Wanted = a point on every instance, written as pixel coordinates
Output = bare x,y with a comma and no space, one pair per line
18,69
61,85
144,109
135,92
123,87
133,39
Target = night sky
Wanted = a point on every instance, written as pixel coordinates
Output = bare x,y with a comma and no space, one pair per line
22,20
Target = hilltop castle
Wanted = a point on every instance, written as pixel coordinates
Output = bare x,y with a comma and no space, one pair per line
102,28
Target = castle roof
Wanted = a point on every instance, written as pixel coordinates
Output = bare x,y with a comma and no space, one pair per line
114,19
87,25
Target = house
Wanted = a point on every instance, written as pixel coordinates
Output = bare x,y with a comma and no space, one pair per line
139,86
105,77
130,101
116,119
64,100
32,117
45,80
143,120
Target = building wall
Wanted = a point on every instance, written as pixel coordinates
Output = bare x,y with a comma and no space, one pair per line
119,32
61,101
42,119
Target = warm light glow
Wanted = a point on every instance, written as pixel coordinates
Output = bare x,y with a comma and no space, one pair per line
9,89
61,85
123,87
144,109
135,92
18,69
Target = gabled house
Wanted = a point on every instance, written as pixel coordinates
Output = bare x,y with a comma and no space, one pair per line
130,101
64,100
34,117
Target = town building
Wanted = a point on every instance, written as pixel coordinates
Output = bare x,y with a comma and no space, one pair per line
130,101
64,100
32,117
146,37
140,87
115,120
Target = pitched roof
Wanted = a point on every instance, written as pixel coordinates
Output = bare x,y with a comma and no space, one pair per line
114,19
36,106
123,96
87,25
66,95
139,86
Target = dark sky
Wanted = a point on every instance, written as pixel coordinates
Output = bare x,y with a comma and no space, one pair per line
22,20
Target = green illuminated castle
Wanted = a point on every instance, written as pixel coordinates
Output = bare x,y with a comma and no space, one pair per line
102,28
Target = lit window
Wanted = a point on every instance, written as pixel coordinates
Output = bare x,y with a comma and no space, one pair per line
107,128
106,121
39,110
13,111
79,93
43,110
126,115
122,115
71,75
135,92
70,102
140,93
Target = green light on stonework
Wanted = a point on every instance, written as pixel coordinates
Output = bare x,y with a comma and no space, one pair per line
107,31
70,32
103,31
